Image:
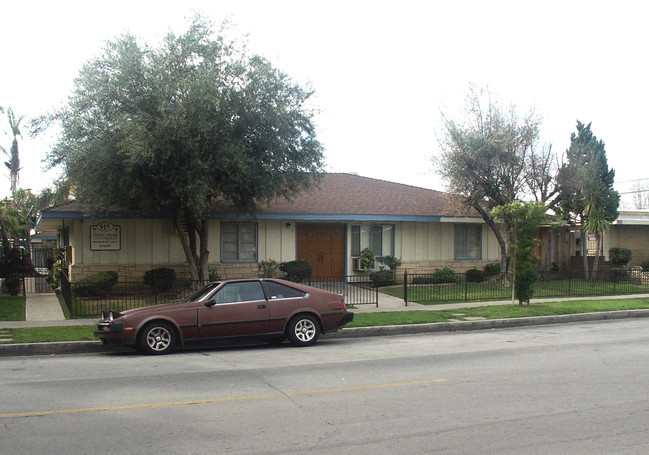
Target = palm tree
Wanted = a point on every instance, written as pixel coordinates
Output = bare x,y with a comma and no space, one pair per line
14,160
595,220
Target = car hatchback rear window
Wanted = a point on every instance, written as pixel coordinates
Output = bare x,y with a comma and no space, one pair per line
280,291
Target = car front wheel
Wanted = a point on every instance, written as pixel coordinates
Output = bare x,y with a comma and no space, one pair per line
303,330
157,338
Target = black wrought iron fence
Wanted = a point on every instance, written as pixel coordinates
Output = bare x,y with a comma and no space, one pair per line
356,289
85,299
460,287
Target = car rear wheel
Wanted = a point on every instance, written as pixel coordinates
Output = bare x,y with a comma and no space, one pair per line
157,338
303,330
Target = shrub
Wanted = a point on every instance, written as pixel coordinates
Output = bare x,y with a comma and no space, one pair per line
424,280
213,274
12,281
161,279
382,278
296,271
390,262
445,275
645,266
619,257
492,269
96,284
267,269
474,276
367,259
620,274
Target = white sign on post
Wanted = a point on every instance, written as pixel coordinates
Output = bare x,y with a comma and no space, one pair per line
105,237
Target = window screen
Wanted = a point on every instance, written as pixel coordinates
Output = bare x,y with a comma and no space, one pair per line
468,241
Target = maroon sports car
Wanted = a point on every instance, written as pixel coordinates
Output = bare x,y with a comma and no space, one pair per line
265,308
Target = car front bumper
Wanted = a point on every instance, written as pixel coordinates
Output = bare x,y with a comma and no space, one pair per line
113,333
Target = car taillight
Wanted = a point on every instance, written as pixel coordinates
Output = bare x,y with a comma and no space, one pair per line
343,305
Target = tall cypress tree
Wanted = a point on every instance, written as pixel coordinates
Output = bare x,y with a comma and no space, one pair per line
587,168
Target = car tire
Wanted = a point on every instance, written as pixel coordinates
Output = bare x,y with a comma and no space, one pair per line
303,330
157,338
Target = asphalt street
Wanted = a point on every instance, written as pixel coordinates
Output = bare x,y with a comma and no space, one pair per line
569,388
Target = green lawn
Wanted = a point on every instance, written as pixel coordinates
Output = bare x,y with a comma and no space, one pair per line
85,333
53,334
497,312
475,292
12,308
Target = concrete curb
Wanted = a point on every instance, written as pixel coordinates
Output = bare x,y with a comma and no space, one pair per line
79,347
463,326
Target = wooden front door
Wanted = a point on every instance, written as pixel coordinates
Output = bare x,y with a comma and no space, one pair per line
323,246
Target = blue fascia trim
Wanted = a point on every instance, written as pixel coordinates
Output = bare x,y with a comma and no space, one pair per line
328,217
262,216
79,215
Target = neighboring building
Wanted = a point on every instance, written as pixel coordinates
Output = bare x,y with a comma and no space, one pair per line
631,230
328,227
563,246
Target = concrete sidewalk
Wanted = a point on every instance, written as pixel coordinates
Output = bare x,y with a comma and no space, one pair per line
388,303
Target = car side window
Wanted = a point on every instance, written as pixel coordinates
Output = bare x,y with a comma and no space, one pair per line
280,291
246,291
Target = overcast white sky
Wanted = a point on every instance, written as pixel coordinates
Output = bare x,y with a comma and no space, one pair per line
382,70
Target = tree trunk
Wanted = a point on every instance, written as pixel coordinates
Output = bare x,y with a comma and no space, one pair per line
597,255
584,250
196,261
204,252
504,262
190,255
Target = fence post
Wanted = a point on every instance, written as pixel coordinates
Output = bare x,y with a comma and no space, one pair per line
66,291
405,286
377,296
466,288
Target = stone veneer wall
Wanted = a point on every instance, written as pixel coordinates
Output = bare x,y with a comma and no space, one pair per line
133,273
432,266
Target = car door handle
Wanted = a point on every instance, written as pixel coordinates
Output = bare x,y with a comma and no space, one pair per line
261,307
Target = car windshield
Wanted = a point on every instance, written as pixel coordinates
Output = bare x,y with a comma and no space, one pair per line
201,293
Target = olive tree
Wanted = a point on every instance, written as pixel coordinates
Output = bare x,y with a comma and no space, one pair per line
172,129
491,157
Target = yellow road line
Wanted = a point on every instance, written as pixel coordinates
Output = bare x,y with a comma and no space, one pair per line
215,400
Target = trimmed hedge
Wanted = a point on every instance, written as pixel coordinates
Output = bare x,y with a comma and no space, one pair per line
96,284
474,276
619,256
161,279
382,278
296,271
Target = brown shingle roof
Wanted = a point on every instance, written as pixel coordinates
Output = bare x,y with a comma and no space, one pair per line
343,194
353,194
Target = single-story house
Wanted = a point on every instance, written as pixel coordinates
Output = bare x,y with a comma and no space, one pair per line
328,226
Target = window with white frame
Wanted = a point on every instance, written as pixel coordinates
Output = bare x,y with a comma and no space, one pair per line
468,241
238,242
378,237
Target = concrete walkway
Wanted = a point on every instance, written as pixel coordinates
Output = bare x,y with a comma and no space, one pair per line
43,307
44,310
